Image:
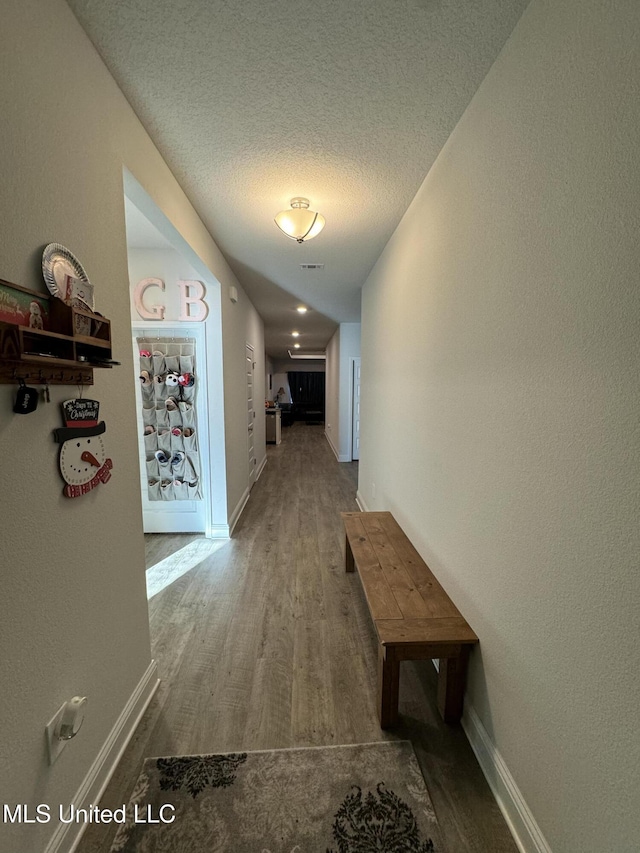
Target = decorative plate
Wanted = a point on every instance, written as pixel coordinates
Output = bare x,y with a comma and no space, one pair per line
62,273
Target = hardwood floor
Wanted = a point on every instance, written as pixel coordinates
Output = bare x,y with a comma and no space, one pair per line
267,643
157,546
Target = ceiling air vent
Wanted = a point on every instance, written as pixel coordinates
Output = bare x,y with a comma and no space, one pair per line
311,266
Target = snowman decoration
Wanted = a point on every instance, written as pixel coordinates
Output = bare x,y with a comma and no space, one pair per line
83,460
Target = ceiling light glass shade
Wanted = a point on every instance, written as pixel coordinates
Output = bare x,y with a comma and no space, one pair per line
301,309
300,223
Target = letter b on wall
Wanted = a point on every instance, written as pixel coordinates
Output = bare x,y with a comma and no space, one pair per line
192,304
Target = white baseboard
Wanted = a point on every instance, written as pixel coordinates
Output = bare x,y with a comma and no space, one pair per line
235,515
522,825
331,445
67,835
261,467
218,531
361,502
341,457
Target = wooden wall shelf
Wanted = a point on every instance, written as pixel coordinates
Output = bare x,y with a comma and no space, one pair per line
76,342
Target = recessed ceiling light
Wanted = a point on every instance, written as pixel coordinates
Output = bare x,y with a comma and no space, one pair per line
301,309
296,346
295,334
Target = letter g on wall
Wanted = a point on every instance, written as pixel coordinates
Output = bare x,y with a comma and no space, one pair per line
156,312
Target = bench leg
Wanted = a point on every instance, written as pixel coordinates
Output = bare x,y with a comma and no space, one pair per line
451,683
349,564
388,687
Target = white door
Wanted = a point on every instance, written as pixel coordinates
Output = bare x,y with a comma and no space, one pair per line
251,415
355,432
178,515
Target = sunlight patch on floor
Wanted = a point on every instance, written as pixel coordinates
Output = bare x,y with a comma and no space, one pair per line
171,568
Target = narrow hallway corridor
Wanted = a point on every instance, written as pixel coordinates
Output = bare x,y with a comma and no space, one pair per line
267,643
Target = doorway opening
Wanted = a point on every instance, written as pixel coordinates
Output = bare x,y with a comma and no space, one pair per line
177,371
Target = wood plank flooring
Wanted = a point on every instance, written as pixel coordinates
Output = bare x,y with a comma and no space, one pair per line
267,643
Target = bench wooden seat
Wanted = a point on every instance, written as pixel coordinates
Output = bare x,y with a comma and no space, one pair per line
413,616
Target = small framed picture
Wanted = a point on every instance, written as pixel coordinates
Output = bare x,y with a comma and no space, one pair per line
79,294
23,307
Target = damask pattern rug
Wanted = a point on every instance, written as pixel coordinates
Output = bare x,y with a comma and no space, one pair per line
366,798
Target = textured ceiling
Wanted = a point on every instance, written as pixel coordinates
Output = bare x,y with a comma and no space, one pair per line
253,102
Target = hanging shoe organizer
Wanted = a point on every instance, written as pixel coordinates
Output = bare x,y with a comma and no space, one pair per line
168,384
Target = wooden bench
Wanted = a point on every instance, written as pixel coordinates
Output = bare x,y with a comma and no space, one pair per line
414,617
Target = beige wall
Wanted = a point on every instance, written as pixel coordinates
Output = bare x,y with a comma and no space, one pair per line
505,315
73,617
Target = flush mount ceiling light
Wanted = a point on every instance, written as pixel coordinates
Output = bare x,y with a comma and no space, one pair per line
300,223
295,334
296,346
301,309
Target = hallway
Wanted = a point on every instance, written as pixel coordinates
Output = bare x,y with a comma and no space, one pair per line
267,643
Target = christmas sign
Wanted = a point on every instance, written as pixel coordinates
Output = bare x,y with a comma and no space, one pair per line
83,460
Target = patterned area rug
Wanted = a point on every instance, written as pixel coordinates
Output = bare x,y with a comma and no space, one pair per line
367,798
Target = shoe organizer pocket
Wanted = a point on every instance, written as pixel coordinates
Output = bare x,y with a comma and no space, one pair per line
193,490
187,413
172,363
175,418
186,364
178,465
162,417
166,490
148,398
153,471
177,440
164,441
180,491
160,391
188,394
190,440
149,415
193,465
151,442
